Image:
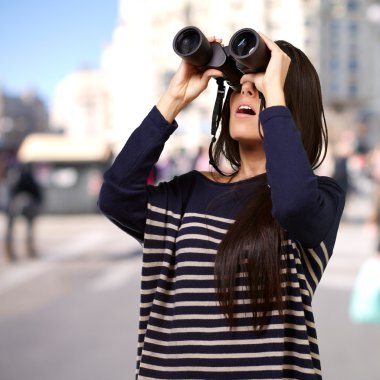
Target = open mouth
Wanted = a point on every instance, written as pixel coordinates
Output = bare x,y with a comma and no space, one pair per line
246,110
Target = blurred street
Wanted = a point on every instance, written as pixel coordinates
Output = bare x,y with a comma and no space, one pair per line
67,106
73,312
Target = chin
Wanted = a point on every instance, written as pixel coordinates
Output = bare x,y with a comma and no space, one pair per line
245,134
249,142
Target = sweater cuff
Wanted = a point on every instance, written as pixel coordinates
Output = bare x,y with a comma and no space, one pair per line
274,111
160,122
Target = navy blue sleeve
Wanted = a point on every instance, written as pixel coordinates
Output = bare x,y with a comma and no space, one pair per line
307,206
124,194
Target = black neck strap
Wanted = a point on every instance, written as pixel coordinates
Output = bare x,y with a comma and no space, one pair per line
216,117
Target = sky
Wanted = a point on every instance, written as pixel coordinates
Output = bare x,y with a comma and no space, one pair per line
41,41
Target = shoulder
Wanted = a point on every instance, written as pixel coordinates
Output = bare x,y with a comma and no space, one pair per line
183,192
202,177
178,186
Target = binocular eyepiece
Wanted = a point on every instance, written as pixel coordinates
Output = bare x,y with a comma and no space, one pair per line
246,53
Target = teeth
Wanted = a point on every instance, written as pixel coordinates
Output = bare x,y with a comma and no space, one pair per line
245,108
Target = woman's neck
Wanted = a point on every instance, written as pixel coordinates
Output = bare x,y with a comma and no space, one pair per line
253,163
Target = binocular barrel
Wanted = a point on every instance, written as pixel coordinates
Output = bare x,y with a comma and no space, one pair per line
246,52
249,50
192,46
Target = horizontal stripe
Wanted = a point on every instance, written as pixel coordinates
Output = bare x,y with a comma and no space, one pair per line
204,304
260,368
198,237
239,342
207,277
183,250
162,225
163,211
207,217
213,330
205,226
160,237
196,290
248,355
219,316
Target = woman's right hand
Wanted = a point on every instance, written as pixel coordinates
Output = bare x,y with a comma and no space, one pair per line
186,85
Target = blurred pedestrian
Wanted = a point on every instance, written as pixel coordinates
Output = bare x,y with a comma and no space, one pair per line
152,178
231,261
25,199
201,160
373,168
343,151
365,296
3,186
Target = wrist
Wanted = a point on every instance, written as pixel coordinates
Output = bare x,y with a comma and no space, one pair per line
169,107
276,98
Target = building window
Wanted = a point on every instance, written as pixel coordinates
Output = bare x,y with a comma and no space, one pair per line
353,65
334,64
353,27
353,89
334,88
353,6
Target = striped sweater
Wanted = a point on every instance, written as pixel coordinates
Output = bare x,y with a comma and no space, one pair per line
183,333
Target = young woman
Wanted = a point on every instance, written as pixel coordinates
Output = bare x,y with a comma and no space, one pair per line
231,263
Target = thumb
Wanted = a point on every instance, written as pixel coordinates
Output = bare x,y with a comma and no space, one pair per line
256,79
210,73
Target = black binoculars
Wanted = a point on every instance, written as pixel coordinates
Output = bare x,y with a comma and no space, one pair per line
246,53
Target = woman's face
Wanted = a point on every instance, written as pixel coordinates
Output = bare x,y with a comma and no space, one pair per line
244,113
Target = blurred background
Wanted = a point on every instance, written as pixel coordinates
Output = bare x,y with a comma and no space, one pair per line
76,78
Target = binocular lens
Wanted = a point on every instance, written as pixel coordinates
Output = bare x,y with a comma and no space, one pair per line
188,42
192,45
244,44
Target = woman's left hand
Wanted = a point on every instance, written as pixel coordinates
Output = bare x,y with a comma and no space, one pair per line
271,82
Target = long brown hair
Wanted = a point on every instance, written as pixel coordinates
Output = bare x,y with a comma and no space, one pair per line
251,254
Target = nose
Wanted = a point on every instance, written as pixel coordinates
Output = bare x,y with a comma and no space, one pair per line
248,89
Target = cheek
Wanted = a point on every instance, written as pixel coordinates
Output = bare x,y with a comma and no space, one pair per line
233,127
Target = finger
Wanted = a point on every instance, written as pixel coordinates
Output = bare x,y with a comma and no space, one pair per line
215,39
272,46
207,75
255,79
248,78
270,43
213,73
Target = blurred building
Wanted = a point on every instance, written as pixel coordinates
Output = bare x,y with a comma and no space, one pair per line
140,61
69,165
81,105
350,70
346,56
19,116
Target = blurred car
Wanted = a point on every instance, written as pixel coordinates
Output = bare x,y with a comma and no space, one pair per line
69,170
